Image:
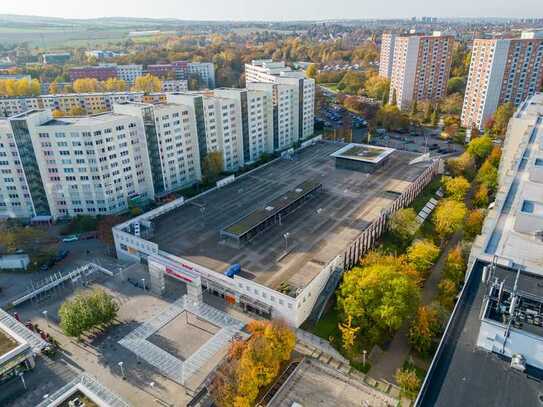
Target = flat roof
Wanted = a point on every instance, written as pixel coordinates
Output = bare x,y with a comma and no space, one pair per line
466,375
319,230
272,208
315,384
363,152
7,343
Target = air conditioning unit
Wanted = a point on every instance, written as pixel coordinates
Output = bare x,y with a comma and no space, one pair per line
518,362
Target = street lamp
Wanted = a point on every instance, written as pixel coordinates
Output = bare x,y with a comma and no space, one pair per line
286,236
45,316
364,357
21,375
143,282
122,370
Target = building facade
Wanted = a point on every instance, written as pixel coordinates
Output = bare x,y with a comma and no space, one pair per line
172,144
501,71
387,55
421,68
101,73
129,73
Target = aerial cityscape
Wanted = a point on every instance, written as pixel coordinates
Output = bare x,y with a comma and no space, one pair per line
234,204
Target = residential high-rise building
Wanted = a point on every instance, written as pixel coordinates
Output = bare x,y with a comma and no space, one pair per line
101,72
172,143
205,71
293,96
218,123
256,119
387,55
501,71
420,69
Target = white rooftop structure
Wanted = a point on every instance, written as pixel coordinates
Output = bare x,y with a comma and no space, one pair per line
513,229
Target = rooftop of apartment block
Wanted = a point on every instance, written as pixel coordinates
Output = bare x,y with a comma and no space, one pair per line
317,230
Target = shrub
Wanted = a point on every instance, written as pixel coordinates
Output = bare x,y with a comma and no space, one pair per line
408,381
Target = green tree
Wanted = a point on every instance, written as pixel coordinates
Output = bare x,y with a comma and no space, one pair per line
403,224
449,217
456,84
501,118
422,255
463,165
376,87
408,381
447,293
474,223
488,175
434,118
480,147
378,298
455,187
455,265
391,118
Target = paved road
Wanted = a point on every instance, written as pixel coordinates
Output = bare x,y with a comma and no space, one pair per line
81,252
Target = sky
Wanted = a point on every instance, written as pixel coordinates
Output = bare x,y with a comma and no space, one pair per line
276,10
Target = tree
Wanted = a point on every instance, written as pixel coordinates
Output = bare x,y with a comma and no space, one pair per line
213,165
456,84
424,328
147,84
463,165
351,82
501,118
114,85
378,298
390,117
447,293
422,255
495,156
77,111
434,118
452,104
394,100
311,71
105,229
480,147
376,87
85,85
86,311
474,223
403,224
408,381
455,265
53,88
455,187
480,198
488,175
348,333
449,217
58,113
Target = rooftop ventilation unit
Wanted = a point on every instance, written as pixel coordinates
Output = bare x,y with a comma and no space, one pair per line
518,362
539,235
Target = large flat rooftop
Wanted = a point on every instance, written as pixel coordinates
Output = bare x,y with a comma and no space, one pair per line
318,230
466,375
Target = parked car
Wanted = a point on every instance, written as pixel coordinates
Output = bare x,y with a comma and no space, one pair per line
70,238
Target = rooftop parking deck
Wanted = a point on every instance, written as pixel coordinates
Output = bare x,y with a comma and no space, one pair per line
318,230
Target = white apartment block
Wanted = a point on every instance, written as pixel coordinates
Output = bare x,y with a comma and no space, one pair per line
256,118
205,70
387,55
91,165
501,71
421,68
15,199
174,85
93,103
218,123
172,143
264,70
129,73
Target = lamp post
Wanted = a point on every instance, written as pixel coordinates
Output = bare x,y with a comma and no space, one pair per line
286,236
122,369
143,282
21,375
45,316
364,357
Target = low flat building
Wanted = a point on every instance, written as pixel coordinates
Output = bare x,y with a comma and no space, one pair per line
18,347
362,157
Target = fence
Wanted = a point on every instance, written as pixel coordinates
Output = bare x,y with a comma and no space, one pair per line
367,239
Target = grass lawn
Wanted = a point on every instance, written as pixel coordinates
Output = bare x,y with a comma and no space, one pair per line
327,327
331,86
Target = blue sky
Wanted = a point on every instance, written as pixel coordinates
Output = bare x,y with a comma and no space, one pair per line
273,9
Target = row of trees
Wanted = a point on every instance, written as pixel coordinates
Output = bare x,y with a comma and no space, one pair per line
19,87
87,311
253,364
